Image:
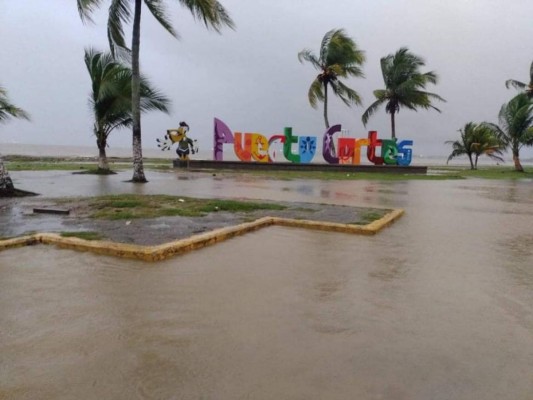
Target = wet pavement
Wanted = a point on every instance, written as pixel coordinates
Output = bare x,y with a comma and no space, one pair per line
438,306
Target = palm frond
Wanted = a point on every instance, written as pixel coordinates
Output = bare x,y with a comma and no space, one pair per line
153,99
111,96
456,152
515,84
346,94
522,85
371,110
353,70
9,110
316,93
324,45
86,8
119,14
158,10
211,12
307,55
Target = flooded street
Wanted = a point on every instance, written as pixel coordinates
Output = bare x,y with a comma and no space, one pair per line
437,306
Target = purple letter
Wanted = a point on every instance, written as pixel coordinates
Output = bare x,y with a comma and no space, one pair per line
328,148
222,134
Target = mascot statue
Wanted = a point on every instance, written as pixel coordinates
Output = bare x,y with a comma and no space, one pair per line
185,144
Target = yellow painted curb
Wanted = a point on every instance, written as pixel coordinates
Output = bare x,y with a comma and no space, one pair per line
167,250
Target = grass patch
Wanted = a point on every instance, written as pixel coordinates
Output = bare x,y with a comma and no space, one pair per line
47,166
95,171
86,165
87,235
368,217
131,206
486,172
435,173
344,176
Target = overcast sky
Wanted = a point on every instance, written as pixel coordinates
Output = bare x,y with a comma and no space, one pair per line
251,77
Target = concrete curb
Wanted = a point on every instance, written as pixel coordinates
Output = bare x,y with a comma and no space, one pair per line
167,250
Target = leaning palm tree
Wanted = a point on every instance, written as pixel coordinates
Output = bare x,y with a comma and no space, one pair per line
404,86
476,140
516,126
110,98
339,57
211,12
527,87
8,110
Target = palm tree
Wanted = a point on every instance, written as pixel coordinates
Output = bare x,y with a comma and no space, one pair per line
7,111
516,126
110,98
211,12
476,140
528,88
404,86
339,58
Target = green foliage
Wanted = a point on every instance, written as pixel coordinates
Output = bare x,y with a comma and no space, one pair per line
339,57
8,109
52,166
129,206
77,165
128,203
111,97
404,86
343,176
476,140
367,217
515,128
526,87
237,206
87,235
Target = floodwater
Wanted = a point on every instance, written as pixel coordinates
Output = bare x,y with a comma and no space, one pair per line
437,306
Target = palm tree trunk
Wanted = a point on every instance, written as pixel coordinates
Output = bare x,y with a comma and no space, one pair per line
138,169
392,125
326,104
6,184
102,156
471,162
475,163
516,159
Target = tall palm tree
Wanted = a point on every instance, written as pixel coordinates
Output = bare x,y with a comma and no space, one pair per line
339,57
476,140
7,111
527,87
404,86
211,12
516,126
110,98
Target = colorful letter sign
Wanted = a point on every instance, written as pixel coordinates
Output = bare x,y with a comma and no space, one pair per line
256,147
